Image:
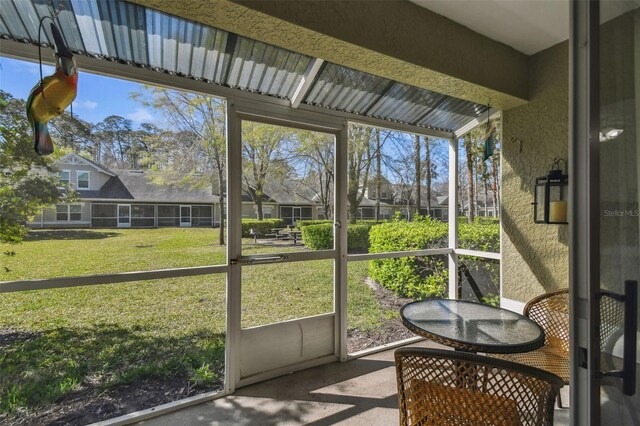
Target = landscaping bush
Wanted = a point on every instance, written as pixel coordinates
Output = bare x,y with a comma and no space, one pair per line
369,222
358,237
482,235
416,277
320,237
262,227
302,223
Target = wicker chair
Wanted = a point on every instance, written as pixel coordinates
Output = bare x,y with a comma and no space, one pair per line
442,387
551,312
611,329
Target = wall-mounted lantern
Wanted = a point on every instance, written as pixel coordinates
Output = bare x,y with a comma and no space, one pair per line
551,196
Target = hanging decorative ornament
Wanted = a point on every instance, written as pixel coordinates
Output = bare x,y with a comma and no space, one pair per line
490,141
53,94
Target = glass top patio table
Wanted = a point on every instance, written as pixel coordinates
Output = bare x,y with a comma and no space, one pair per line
471,326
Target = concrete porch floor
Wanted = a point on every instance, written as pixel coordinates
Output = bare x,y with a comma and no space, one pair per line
359,392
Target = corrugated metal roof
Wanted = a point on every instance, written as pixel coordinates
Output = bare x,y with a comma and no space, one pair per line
348,90
129,33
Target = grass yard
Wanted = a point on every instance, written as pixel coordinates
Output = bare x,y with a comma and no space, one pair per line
62,342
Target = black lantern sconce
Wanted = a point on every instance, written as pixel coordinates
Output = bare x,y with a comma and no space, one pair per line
551,196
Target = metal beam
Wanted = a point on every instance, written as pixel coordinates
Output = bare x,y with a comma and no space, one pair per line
305,84
493,114
29,52
123,277
584,212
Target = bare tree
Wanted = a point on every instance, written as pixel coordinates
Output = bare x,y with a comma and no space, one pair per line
427,168
468,147
265,151
378,175
418,170
360,154
198,152
316,151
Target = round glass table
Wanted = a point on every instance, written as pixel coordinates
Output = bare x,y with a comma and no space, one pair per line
471,326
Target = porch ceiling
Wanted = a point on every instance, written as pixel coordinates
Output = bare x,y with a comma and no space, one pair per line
396,40
135,35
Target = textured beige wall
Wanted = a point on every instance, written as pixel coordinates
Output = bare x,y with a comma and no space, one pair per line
535,256
392,39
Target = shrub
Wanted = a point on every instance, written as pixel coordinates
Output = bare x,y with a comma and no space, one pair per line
417,277
482,235
302,223
261,226
358,237
370,222
320,237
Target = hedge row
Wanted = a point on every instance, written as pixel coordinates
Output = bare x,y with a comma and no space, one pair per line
320,237
481,235
369,222
262,227
421,277
302,223
416,277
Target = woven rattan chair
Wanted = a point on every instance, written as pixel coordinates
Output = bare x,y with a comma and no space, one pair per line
441,387
611,329
551,312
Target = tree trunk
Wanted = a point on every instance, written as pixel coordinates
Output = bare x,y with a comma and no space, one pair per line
221,191
470,186
418,166
494,187
486,195
259,207
475,195
378,175
427,162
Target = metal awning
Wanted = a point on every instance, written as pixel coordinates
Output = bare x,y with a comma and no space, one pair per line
116,30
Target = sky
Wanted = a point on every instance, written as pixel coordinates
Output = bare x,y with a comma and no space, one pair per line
98,96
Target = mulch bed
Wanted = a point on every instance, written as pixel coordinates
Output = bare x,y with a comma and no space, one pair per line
392,330
88,405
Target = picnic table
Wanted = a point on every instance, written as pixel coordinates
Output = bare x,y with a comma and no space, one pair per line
294,235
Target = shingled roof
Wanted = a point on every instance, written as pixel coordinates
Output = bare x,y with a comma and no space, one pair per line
137,185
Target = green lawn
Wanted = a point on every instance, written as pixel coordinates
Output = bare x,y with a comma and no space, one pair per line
56,341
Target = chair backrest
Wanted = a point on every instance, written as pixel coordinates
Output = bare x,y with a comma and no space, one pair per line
611,322
551,312
443,387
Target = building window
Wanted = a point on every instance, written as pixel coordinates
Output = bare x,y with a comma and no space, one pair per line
75,212
67,212
62,212
83,180
64,177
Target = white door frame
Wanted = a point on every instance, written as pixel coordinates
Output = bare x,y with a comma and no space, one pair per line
182,222
239,340
126,224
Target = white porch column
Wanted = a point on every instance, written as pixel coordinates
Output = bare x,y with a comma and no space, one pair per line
340,233
234,248
453,218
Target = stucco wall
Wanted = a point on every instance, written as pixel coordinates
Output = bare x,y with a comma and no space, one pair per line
535,256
